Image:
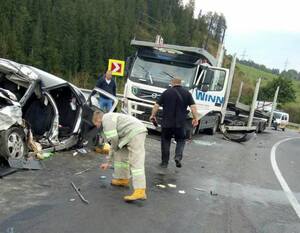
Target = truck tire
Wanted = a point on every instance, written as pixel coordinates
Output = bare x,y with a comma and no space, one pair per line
213,130
12,143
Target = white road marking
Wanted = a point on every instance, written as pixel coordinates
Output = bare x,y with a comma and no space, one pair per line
289,194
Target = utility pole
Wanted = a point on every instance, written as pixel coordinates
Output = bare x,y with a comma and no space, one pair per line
243,55
286,63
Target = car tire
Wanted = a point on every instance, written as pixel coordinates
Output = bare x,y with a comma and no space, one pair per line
283,129
12,143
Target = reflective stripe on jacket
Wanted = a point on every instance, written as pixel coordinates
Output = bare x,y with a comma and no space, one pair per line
119,128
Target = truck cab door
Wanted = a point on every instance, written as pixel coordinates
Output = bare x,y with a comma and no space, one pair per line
93,103
210,88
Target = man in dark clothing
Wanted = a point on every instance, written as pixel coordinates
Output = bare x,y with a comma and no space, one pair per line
174,102
107,84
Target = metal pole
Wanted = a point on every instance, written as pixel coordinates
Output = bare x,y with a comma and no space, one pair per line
254,100
221,52
273,106
240,92
229,84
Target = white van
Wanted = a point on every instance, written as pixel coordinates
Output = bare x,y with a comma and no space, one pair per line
281,120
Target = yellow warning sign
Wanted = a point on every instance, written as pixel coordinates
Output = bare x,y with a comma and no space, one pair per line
116,67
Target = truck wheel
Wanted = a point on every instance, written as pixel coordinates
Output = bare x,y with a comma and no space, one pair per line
213,130
12,143
257,130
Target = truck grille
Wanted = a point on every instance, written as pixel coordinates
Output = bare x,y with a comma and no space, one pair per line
147,113
147,95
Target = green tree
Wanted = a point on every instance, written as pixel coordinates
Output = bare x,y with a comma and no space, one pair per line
286,91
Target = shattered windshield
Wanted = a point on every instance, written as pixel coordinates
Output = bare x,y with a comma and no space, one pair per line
155,73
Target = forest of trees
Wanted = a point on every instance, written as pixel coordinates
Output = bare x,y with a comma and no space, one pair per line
75,38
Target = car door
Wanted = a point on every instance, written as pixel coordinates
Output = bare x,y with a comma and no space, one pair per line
210,88
93,103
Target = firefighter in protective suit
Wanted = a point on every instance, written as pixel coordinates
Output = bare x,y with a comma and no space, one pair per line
126,135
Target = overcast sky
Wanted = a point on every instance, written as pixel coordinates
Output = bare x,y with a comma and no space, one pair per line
267,30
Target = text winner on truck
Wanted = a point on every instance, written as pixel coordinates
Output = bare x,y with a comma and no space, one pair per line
151,68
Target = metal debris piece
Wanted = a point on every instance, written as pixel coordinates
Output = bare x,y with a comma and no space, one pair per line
85,170
72,199
75,153
181,191
172,185
212,193
102,177
79,193
22,163
201,190
161,186
82,151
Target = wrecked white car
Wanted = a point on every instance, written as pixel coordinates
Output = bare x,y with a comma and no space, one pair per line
52,109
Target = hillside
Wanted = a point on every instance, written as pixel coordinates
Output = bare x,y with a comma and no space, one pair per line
249,75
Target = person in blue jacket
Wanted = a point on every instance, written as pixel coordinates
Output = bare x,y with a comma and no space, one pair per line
107,84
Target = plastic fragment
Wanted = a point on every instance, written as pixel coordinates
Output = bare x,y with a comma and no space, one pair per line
161,186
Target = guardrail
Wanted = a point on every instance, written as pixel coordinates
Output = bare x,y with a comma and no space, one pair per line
87,92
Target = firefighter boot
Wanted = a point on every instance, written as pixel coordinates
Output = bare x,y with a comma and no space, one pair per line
120,182
138,194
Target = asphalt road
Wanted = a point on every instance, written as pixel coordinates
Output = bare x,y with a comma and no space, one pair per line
247,195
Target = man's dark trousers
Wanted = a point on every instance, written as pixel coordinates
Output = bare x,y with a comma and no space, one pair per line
166,136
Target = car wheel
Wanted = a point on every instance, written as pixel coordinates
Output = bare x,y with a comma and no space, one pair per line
283,129
12,143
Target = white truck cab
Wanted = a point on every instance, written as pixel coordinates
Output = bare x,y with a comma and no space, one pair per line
153,66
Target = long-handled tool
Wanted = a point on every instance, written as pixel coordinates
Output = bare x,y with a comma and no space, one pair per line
79,193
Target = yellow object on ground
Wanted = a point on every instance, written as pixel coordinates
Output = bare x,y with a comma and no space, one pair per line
104,149
120,182
138,194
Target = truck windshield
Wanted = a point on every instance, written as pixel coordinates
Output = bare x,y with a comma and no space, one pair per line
156,73
277,115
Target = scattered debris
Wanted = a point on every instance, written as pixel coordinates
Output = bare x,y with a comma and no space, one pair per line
172,185
72,199
79,193
201,190
161,186
102,177
204,143
47,154
104,149
181,191
82,150
85,170
202,166
30,163
212,193
75,153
